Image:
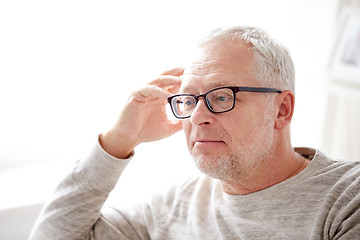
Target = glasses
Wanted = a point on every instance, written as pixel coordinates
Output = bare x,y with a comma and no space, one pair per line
217,100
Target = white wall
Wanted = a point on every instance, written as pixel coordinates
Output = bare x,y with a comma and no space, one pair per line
67,66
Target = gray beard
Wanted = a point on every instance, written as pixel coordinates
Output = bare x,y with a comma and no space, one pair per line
230,166
249,157
237,166
223,167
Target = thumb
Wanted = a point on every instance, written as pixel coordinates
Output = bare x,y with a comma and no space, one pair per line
175,126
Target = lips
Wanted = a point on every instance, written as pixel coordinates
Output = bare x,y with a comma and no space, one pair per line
206,142
207,138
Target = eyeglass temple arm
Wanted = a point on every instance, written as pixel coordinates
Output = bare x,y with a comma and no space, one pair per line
257,89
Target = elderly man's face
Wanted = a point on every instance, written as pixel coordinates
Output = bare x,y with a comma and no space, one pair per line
227,145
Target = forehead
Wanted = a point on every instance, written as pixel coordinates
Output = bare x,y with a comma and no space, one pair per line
223,63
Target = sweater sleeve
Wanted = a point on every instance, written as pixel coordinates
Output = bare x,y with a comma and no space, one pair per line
73,212
345,211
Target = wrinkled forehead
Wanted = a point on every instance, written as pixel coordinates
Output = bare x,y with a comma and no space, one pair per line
219,64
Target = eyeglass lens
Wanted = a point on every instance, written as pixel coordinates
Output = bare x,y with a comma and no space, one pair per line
218,100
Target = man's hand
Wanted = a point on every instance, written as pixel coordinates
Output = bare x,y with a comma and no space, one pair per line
144,118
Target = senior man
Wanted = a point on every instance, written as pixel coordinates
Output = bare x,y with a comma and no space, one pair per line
235,102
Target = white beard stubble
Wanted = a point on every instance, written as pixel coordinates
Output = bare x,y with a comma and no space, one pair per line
238,165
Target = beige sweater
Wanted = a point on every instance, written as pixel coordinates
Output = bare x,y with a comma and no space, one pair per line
321,202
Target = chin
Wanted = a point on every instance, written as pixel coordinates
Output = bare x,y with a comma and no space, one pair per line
220,167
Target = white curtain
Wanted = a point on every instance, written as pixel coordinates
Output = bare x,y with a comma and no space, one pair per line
342,123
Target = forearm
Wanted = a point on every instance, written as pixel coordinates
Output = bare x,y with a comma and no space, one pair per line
75,206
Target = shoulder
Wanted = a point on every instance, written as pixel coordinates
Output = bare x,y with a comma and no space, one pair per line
342,201
340,169
325,167
340,178
331,178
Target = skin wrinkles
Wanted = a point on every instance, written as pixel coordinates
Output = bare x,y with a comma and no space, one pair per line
211,72
249,155
248,148
231,161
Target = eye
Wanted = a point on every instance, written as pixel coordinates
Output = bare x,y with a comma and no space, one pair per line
222,98
188,101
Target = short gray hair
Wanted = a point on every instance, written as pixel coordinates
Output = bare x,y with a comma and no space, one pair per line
273,64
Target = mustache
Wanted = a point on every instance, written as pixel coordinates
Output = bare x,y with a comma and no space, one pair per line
209,134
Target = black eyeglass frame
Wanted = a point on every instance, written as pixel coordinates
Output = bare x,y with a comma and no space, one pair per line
234,89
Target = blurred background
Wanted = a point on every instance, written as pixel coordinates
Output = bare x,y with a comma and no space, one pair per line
66,68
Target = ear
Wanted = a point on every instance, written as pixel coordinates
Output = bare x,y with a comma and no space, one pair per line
285,102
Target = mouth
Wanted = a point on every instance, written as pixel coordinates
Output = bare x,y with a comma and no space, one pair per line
207,143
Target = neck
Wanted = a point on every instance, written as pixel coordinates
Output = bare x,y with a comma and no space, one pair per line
276,168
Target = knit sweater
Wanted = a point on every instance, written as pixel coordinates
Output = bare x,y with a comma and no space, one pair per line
321,202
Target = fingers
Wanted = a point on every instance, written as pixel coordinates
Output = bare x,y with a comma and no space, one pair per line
165,85
169,77
151,92
169,83
175,125
174,72
166,81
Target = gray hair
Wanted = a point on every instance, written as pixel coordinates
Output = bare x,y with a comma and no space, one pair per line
273,64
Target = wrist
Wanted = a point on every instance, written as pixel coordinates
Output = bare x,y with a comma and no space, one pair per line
115,146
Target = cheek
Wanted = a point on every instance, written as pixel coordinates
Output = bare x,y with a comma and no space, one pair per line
186,126
241,126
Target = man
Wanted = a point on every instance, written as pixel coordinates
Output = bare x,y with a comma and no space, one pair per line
235,106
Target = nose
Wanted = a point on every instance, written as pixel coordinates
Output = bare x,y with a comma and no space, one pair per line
201,114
